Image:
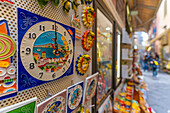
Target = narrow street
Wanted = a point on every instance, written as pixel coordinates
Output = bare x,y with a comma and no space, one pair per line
158,96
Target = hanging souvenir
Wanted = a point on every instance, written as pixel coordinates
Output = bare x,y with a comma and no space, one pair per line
88,16
106,107
74,96
8,1
55,104
88,1
82,64
75,4
90,87
80,109
66,6
87,40
75,22
27,106
55,2
42,3
46,49
8,48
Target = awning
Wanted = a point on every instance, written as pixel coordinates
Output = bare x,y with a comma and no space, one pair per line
160,36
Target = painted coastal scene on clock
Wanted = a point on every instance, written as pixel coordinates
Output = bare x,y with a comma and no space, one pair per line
44,58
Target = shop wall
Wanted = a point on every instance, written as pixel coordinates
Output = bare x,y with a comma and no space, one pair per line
162,18
9,12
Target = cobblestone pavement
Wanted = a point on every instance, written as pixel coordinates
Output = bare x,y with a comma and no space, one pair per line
158,96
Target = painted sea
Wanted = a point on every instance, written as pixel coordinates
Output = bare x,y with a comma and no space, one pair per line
49,52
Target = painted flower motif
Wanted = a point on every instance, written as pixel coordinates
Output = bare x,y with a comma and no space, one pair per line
27,21
26,82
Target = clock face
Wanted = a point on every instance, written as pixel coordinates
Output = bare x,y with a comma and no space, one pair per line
45,49
46,54
75,97
57,105
91,87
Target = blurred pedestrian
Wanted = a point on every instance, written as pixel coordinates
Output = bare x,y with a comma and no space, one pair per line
145,60
150,59
156,56
157,59
155,66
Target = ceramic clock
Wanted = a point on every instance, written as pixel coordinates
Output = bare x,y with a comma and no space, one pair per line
8,47
90,87
46,49
55,104
82,64
74,97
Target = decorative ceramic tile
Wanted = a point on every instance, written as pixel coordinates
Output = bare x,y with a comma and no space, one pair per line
46,49
55,104
106,107
7,70
74,96
27,106
90,87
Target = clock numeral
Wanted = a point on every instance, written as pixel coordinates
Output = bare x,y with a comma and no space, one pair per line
41,74
42,28
54,27
71,51
69,41
28,51
63,69
32,66
33,35
64,33
53,75
68,60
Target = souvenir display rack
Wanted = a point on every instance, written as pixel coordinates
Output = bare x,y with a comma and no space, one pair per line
48,91
9,12
139,95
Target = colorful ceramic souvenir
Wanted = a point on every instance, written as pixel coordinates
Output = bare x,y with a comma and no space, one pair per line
42,3
8,1
90,87
55,2
104,82
75,4
80,109
82,64
88,16
27,106
74,96
75,22
46,49
66,6
106,107
88,1
87,40
7,69
54,104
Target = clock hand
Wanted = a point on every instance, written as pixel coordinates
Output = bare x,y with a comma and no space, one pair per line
59,55
56,45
